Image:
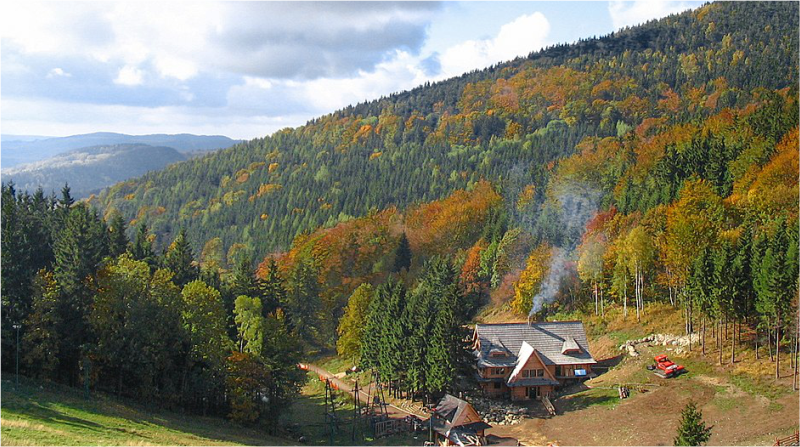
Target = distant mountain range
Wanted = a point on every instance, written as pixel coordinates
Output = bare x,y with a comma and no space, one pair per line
19,149
90,169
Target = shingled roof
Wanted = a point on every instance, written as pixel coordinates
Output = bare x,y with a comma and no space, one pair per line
455,418
548,338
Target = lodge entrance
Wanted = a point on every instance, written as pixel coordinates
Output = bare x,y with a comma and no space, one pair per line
532,392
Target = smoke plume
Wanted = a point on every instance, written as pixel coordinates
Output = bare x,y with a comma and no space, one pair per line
572,205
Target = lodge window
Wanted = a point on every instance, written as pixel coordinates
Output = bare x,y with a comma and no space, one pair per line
497,385
528,373
500,371
558,370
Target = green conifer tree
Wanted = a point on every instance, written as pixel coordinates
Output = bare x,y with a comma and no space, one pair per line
272,289
402,256
180,261
117,239
693,430
142,249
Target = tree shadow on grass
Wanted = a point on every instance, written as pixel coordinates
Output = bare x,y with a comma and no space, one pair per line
41,401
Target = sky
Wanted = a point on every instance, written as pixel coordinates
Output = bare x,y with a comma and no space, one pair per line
247,69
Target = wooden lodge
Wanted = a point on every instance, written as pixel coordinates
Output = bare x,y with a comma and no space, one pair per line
529,360
456,422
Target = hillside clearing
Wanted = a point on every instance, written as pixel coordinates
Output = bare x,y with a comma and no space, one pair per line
743,402
36,413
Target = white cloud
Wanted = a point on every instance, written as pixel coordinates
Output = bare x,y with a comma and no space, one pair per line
179,39
629,13
239,69
58,73
525,34
129,76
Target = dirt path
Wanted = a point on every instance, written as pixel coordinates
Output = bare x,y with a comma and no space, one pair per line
363,395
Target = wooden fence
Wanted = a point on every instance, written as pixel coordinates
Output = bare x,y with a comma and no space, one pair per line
390,427
789,440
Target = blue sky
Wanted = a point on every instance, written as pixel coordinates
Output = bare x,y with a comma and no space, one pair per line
247,69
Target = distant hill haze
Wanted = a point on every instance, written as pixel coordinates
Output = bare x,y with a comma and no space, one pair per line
19,149
90,169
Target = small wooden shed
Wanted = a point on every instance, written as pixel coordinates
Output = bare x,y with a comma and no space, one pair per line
456,422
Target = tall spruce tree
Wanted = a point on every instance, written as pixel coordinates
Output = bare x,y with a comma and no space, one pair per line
117,239
402,256
271,289
391,344
180,261
142,248
373,327
444,355
418,320
79,247
303,301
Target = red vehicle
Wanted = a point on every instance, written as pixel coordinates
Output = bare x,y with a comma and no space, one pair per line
665,368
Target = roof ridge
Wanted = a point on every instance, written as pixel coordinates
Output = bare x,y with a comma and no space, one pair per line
528,324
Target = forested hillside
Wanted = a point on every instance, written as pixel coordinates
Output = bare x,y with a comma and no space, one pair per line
656,165
507,124
24,149
90,169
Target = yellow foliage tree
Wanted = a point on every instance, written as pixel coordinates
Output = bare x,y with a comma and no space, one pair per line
531,279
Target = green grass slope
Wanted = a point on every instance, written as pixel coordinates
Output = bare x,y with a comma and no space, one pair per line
36,413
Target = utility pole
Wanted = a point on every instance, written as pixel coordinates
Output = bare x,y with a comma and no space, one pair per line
17,326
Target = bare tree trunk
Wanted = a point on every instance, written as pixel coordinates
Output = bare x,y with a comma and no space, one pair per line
602,303
704,335
769,344
671,297
778,348
596,304
733,344
691,329
796,332
636,289
719,339
714,334
756,340
625,301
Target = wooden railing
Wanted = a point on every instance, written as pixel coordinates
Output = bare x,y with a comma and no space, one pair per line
548,405
789,440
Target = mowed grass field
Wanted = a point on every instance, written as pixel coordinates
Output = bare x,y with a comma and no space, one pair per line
37,413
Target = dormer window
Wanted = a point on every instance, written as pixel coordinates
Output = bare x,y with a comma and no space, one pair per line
497,353
570,346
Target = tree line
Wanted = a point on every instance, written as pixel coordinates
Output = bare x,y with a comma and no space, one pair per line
416,340
93,308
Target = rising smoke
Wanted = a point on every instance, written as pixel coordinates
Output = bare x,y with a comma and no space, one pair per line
574,205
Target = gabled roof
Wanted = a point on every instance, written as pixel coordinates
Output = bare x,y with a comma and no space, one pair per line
547,338
524,354
453,416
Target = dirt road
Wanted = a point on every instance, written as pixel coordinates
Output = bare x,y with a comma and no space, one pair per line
363,394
